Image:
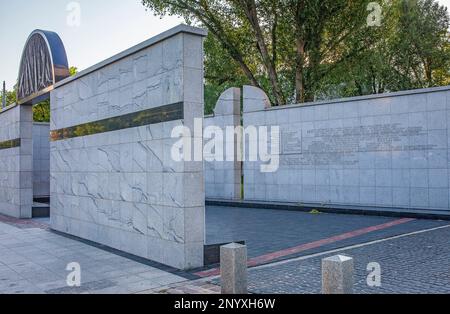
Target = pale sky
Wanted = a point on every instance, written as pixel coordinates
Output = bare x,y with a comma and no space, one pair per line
106,27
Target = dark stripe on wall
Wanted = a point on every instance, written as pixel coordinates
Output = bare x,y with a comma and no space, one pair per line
136,119
10,144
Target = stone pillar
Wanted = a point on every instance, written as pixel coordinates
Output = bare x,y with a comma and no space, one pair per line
16,165
233,268
337,275
223,178
26,161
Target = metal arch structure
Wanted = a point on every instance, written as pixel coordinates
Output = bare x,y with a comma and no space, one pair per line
43,64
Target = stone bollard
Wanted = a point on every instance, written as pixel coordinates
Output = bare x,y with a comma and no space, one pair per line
337,275
233,268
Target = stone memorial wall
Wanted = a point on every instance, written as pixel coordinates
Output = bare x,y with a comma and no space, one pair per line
16,164
222,177
389,150
113,179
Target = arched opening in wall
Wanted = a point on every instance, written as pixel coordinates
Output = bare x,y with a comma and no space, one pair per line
43,64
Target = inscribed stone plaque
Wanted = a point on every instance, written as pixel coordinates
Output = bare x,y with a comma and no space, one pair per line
292,142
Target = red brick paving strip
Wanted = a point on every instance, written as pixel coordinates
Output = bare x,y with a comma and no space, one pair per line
23,223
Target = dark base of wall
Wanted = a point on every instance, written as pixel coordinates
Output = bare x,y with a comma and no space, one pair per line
337,209
212,253
40,212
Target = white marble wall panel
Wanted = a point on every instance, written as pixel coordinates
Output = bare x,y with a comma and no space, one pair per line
223,178
122,188
387,150
16,194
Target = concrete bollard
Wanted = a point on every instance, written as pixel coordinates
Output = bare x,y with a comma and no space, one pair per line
233,268
337,275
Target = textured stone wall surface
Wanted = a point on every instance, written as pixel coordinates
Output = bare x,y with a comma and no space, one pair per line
41,159
222,177
121,188
16,195
388,150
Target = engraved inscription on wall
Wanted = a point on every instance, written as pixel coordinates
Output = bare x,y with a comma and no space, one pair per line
339,146
291,142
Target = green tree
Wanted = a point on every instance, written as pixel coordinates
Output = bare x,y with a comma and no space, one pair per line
41,111
301,50
281,46
221,72
73,71
10,97
411,49
421,43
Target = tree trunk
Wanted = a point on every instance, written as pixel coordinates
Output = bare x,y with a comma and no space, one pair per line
220,35
249,7
428,72
248,73
299,82
300,93
274,37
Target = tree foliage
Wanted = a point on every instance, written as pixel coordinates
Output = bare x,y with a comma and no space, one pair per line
10,97
411,49
302,50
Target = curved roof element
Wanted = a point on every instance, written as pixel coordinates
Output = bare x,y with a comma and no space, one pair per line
44,63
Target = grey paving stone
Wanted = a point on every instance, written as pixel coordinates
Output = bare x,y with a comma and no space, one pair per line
141,285
136,270
124,280
153,274
168,279
114,274
90,286
38,265
20,287
57,284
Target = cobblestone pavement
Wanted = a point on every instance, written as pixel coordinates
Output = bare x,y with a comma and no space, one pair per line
418,263
266,231
34,260
191,287
412,263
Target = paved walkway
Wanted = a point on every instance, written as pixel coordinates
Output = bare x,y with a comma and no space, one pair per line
34,260
270,232
291,244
